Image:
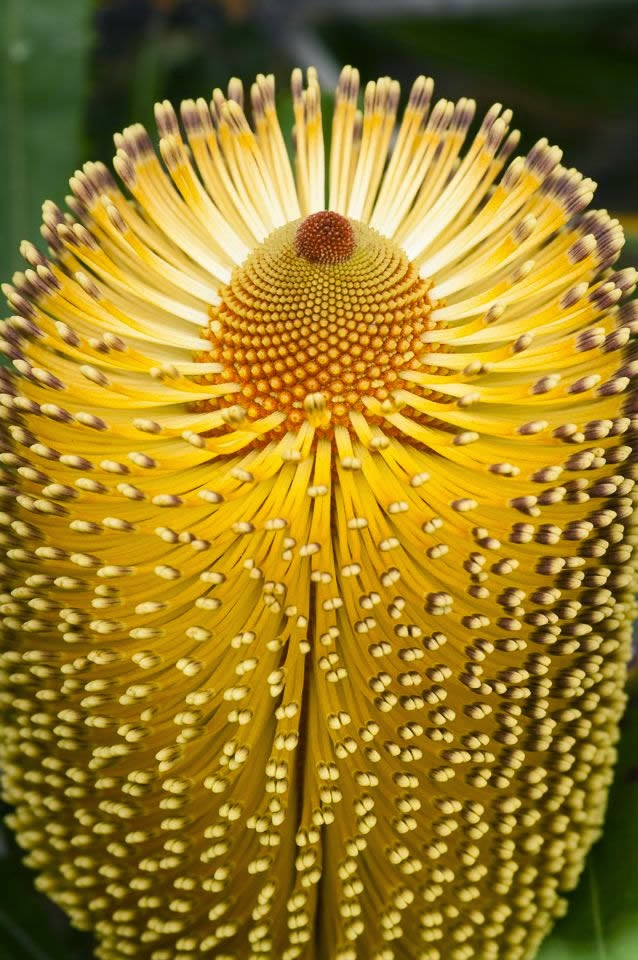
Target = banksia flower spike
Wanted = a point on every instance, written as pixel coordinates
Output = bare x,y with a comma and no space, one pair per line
318,575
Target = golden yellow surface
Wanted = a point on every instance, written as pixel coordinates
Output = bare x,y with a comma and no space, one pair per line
318,576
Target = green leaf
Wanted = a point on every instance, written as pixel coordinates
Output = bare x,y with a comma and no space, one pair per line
43,82
629,257
602,920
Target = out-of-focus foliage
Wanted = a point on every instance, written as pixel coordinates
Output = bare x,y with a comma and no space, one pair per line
43,90
74,71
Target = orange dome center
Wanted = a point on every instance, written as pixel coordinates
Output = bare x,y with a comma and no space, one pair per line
323,314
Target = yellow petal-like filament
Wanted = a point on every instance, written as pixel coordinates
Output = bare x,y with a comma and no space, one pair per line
318,528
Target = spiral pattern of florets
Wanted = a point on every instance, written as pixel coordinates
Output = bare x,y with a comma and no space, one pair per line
289,326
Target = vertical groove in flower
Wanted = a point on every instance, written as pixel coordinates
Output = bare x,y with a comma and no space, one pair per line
318,534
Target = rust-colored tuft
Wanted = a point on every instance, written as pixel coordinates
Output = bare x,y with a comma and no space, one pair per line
325,237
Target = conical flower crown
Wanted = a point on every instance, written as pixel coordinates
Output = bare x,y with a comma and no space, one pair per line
318,533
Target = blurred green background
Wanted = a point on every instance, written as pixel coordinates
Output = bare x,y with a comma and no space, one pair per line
75,71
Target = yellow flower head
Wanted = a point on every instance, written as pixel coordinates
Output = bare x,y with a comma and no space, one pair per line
317,586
